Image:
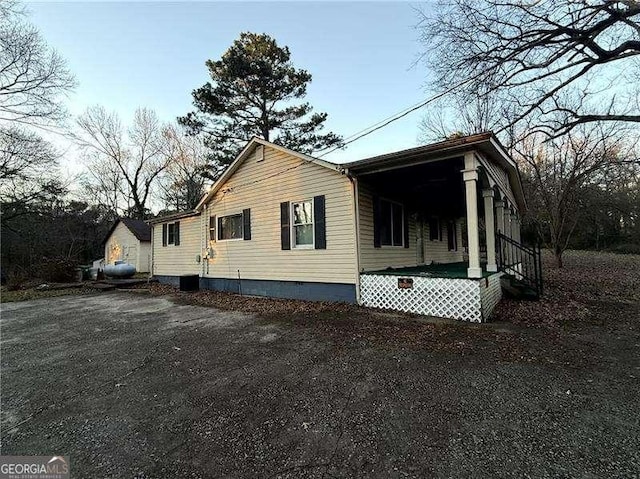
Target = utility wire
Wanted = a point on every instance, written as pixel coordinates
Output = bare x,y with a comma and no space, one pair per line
387,121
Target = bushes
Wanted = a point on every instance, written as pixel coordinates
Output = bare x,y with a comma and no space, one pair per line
16,278
58,270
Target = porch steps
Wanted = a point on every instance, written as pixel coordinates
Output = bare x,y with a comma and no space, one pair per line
513,288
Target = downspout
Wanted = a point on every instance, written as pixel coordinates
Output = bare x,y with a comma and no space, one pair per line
356,224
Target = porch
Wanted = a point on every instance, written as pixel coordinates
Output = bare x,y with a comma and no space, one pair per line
428,224
442,290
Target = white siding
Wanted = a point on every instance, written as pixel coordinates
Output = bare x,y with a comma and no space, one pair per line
174,260
372,258
121,245
261,186
438,251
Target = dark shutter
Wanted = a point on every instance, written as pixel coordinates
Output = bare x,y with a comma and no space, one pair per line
164,234
246,223
212,228
319,222
176,233
405,222
285,228
376,221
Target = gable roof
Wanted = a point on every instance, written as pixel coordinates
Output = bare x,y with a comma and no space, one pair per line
140,229
246,151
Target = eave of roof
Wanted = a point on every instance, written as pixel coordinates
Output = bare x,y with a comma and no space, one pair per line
485,142
173,217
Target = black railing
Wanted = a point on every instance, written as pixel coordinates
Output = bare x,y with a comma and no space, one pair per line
524,263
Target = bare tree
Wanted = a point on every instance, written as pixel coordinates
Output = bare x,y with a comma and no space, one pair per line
28,172
183,182
557,173
531,52
136,156
33,77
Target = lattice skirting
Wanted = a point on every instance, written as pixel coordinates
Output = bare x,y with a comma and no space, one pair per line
464,299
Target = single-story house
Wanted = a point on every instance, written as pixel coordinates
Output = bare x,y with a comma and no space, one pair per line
129,240
415,230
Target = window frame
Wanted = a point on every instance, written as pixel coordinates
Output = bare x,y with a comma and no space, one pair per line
438,235
292,226
402,215
171,234
219,228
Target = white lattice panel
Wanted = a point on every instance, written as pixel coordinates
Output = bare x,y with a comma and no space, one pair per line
490,294
442,297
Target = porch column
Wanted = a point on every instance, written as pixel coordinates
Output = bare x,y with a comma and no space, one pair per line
489,221
515,227
500,215
470,176
507,220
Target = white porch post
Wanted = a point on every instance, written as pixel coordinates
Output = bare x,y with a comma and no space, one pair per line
470,175
515,227
500,216
489,221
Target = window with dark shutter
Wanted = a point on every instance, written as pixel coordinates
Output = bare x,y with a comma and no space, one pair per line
164,234
320,228
285,226
176,233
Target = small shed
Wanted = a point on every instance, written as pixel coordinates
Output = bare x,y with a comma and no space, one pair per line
129,240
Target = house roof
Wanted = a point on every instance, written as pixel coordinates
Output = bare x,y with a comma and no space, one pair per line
140,229
485,143
172,217
246,151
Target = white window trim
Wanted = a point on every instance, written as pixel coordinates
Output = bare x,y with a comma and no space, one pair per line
440,236
218,229
292,231
172,243
403,220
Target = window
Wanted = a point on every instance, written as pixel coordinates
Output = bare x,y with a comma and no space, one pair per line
171,235
230,227
435,231
391,223
302,224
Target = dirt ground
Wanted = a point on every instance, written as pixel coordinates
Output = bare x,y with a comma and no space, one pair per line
159,384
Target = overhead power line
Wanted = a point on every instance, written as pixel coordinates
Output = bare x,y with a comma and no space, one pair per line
390,119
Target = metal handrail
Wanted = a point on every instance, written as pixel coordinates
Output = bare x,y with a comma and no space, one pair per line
521,262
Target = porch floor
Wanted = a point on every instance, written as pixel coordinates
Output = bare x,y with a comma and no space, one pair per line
441,270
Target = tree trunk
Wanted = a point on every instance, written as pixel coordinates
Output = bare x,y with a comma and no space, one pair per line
557,251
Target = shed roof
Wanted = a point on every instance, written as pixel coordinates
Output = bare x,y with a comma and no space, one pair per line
140,229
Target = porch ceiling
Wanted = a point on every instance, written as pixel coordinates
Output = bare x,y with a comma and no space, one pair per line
434,188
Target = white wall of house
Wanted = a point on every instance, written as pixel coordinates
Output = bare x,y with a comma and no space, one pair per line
176,260
261,183
438,251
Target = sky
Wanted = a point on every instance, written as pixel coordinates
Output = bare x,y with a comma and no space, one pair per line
362,56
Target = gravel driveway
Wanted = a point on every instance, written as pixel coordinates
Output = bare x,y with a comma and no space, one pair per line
130,385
